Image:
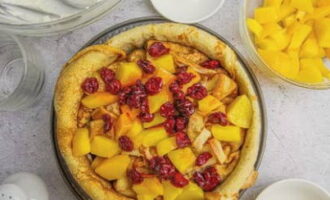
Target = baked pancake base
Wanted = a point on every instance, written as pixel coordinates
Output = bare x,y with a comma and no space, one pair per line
68,96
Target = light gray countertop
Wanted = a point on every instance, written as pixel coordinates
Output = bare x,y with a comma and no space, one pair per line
298,143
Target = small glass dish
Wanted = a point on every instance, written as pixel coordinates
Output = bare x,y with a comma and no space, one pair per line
21,73
247,8
65,24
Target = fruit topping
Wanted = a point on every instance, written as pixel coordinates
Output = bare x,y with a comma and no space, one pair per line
207,180
211,64
108,122
125,143
146,117
135,176
153,85
175,87
90,85
184,77
181,123
185,107
169,125
203,158
146,66
113,86
218,118
107,74
158,49
179,180
167,109
197,91
162,166
182,139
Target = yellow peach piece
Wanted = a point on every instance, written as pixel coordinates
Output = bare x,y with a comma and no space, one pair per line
99,99
166,76
310,49
191,192
303,5
104,147
239,112
182,159
266,14
316,62
327,52
150,187
81,143
281,38
270,28
309,73
158,119
267,44
130,112
226,133
300,34
289,21
166,145
152,136
280,62
171,192
113,168
285,11
137,140
135,129
96,162
128,73
224,87
254,27
123,124
166,62
208,104
321,3
157,100
322,31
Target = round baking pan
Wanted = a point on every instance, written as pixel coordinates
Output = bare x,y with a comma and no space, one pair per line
122,27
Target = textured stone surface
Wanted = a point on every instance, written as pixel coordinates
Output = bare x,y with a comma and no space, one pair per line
298,119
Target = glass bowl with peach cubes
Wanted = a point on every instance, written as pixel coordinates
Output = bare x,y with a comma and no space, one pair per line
289,39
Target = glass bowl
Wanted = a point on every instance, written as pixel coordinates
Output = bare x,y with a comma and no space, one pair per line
247,8
65,24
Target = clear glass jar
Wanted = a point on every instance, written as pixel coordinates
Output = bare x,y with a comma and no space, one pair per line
247,8
69,23
21,73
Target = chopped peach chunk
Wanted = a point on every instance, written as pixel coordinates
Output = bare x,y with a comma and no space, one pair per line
104,147
128,73
240,112
123,124
165,62
99,99
152,136
113,168
266,14
166,145
158,119
226,133
182,159
81,143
